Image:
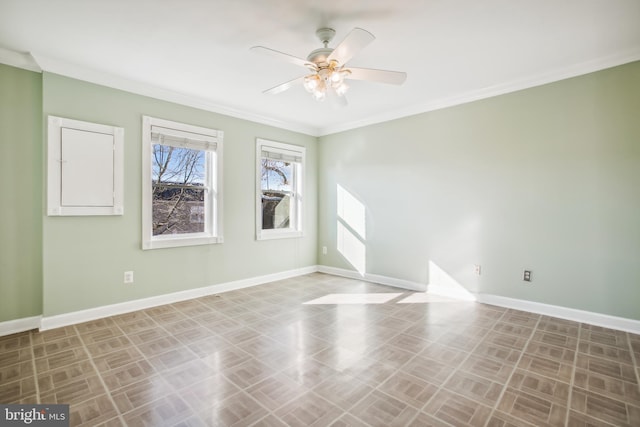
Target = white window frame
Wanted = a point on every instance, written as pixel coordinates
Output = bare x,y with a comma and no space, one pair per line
193,137
297,202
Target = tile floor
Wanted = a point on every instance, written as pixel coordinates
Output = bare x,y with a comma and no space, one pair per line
296,353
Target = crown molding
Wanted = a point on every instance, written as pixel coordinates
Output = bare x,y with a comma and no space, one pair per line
56,66
533,80
38,62
19,59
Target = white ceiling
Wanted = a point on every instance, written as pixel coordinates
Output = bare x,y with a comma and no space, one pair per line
197,51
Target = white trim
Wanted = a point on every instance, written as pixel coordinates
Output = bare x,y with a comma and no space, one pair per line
9,327
582,316
45,63
296,219
55,127
491,91
51,322
75,71
597,319
19,60
374,278
213,232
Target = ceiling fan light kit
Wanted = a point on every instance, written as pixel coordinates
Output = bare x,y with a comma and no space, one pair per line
327,66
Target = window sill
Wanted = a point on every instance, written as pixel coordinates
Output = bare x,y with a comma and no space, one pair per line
175,242
269,235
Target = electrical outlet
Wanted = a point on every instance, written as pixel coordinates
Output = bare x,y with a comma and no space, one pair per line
324,250
477,269
128,277
526,276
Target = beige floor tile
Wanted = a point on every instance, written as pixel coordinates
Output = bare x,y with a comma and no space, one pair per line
343,390
16,371
237,411
551,352
276,391
15,342
557,340
53,334
172,358
604,336
457,410
167,410
271,421
487,368
127,374
109,346
141,393
596,365
96,411
262,356
615,354
249,373
61,359
158,346
409,389
429,370
559,326
528,407
540,386
547,367
608,386
49,348
56,378
474,387
309,409
605,408
206,393
77,391
426,420
17,391
117,359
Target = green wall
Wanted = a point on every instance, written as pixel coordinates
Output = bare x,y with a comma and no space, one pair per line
546,179
21,206
85,257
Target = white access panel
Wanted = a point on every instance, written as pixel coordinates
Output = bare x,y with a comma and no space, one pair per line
84,168
87,168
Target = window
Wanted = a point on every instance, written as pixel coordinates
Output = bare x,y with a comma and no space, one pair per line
279,190
181,184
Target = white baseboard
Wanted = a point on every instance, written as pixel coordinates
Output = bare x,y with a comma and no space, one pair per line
374,278
596,319
591,318
19,325
50,322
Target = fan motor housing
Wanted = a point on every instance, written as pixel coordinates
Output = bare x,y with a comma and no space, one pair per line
320,55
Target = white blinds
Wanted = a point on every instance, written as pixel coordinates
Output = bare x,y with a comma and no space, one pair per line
178,138
273,153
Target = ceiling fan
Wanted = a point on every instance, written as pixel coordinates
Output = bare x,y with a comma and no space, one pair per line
328,66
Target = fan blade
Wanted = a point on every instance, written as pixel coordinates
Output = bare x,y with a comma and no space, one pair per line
283,56
355,41
284,86
380,76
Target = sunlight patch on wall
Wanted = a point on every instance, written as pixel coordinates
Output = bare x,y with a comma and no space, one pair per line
351,211
351,229
441,283
378,298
